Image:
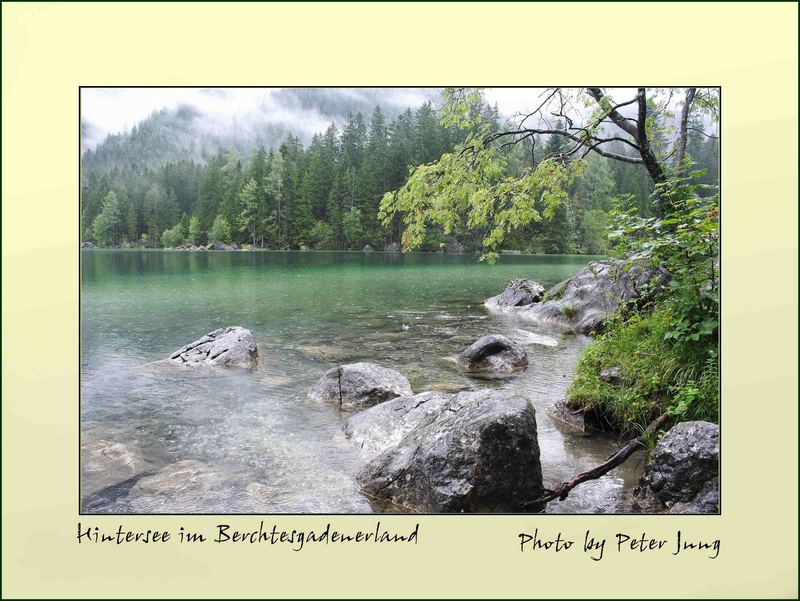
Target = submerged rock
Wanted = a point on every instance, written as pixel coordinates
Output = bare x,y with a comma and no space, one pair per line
106,463
582,303
477,452
383,426
323,352
179,487
232,346
493,355
518,293
525,337
360,385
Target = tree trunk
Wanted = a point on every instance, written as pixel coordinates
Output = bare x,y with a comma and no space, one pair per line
680,151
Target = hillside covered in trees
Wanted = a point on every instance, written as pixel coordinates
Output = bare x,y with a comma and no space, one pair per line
159,186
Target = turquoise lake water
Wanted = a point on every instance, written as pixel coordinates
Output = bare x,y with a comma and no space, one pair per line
269,448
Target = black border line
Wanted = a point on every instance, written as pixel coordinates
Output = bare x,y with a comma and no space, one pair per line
383,516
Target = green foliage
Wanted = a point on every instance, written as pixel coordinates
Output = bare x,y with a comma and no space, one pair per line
657,376
594,232
322,236
252,209
685,243
105,224
467,189
194,230
569,311
220,230
353,229
668,351
173,237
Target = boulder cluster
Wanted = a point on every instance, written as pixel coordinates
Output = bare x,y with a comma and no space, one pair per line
585,301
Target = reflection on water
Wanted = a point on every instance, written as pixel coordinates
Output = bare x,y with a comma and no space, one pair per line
251,441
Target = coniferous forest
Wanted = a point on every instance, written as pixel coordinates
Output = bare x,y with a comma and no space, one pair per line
138,191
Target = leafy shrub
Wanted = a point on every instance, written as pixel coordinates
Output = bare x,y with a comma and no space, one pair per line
668,351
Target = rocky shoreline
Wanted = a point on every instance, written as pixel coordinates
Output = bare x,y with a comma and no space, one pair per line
433,451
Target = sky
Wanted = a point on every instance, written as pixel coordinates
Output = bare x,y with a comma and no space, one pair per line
116,110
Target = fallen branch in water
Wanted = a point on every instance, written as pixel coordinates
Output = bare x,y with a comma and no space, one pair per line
561,491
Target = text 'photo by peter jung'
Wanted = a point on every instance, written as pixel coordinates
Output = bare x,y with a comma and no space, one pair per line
399,300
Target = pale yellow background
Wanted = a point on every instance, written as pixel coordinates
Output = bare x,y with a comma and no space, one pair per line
748,49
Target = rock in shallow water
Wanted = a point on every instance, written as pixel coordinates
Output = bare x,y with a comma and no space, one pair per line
493,355
477,452
180,487
233,346
383,426
106,463
583,302
518,293
525,337
359,385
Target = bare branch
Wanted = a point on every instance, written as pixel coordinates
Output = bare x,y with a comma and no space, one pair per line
562,490
589,141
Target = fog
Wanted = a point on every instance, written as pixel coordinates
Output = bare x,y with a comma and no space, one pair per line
245,114
107,111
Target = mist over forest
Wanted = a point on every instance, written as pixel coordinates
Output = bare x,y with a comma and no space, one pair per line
308,168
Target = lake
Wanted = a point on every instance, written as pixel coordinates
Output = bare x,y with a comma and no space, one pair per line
266,447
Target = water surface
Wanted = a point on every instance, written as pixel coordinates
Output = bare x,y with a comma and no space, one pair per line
267,448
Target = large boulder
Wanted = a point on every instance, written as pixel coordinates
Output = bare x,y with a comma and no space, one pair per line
233,346
359,385
88,245
518,293
478,453
683,462
383,426
367,248
582,303
682,475
492,356
393,247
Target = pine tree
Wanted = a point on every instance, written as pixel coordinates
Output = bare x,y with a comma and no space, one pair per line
375,176
104,227
220,230
251,215
195,231
427,144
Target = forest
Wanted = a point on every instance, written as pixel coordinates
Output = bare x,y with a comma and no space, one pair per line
326,195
